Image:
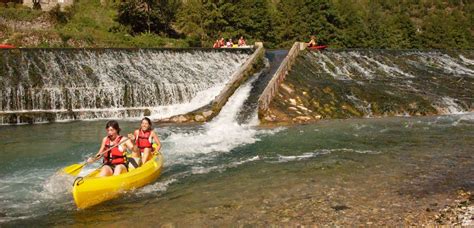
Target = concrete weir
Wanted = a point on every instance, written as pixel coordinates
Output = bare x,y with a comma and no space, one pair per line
253,64
272,88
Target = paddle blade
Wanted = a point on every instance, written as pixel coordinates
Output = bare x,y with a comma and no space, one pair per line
74,170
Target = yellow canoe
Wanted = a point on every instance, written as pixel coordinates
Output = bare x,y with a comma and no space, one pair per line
92,190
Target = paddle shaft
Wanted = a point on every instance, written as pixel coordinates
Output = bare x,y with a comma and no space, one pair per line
102,153
97,156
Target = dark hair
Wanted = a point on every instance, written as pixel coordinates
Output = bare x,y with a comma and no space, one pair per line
147,120
113,124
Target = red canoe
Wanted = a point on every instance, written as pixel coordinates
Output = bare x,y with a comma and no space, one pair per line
320,47
6,46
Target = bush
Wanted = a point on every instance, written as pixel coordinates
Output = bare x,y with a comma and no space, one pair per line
194,41
20,14
147,40
11,5
61,16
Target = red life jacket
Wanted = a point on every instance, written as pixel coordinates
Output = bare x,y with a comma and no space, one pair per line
114,156
143,140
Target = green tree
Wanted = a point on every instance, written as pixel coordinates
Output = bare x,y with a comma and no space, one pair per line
148,15
297,20
353,31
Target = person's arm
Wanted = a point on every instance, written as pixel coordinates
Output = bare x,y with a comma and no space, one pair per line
101,149
130,144
156,140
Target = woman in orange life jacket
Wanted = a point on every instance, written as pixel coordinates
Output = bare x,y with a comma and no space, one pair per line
115,161
144,138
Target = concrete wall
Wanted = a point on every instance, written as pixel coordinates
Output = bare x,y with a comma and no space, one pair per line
47,5
207,113
272,88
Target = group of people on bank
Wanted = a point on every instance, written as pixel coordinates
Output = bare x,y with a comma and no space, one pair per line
221,43
114,147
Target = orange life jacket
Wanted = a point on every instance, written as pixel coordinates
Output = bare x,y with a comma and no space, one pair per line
143,140
114,156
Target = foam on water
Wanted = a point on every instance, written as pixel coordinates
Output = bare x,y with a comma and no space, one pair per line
361,105
317,153
447,64
220,135
466,60
221,168
448,105
160,186
197,150
26,193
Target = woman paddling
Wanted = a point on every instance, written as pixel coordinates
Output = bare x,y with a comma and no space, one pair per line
115,160
144,138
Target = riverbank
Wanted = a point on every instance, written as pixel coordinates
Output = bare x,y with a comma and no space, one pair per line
89,24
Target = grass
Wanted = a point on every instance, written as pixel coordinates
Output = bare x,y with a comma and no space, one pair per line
88,24
18,12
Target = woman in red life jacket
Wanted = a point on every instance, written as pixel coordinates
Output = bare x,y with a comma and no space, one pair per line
115,160
144,138
242,42
222,42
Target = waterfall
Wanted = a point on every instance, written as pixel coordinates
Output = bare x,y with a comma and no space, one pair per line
41,85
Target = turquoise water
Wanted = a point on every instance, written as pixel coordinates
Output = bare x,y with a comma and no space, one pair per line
224,174
388,171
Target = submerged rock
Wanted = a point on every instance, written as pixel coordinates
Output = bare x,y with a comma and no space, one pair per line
269,119
287,88
302,108
292,101
182,119
199,118
302,119
340,207
179,119
207,114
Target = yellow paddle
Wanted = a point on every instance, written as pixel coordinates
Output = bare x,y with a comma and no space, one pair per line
75,169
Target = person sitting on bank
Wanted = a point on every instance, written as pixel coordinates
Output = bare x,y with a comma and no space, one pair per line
144,137
312,42
242,42
216,44
222,42
115,160
229,43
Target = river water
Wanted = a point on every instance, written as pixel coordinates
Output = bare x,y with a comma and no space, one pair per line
231,172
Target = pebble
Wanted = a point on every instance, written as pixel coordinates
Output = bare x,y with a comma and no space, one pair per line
292,101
